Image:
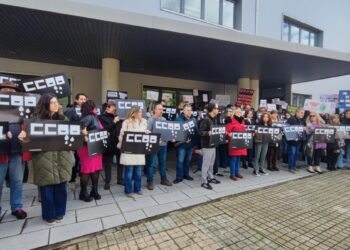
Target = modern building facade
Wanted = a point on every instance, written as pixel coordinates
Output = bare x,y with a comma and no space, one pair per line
177,46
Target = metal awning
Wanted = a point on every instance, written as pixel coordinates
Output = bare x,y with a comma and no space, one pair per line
186,51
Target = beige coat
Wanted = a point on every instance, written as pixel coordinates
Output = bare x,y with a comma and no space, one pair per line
132,159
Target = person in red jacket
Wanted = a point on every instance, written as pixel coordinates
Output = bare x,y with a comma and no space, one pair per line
237,124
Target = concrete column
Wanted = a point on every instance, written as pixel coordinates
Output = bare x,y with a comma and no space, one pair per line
288,93
243,83
255,84
110,76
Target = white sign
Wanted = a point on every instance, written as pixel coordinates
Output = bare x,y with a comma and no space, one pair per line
195,92
223,100
187,98
263,103
205,97
271,107
152,95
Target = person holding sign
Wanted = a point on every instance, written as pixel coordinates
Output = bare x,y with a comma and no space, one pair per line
184,150
208,152
261,147
51,169
346,121
335,149
13,163
90,165
160,156
133,162
112,124
237,125
274,147
249,120
314,149
294,146
74,114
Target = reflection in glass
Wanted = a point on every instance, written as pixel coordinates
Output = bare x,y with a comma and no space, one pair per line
312,39
193,8
304,38
294,34
174,5
212,8
228,14
285,32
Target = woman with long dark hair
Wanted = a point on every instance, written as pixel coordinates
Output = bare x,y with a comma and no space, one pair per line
52,169
90,165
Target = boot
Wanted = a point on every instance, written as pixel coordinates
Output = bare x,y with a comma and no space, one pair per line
318,169
310,169
94,194
84,196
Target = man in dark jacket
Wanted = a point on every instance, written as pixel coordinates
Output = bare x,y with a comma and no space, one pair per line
112,124
346,121
294,146
209,153
184,150
74,114
14,163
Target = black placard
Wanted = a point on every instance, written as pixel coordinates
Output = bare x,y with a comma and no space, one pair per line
169,130
280,124
268,134
294,132
218,135
169,113
342,131
56,84
241,140
97,141
191,128
140,143
45,135
123,107
250,128
326,135
4,142
115,95
15,106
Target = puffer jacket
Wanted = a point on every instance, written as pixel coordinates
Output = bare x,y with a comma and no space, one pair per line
52,167
132,159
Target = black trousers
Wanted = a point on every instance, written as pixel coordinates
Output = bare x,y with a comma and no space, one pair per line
316,158
107,165
272,155
332,158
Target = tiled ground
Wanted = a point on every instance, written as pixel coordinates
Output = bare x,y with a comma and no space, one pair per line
114,209
311,213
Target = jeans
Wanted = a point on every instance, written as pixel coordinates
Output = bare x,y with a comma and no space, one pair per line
16,170
132,172
260,155
347,143
53,201
184,157
161,157
234,165
293,152
340,161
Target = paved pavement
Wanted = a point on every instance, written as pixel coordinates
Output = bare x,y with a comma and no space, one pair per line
310,213
114,209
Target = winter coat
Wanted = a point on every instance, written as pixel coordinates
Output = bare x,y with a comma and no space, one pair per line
132,159
204,128
107,121
236,126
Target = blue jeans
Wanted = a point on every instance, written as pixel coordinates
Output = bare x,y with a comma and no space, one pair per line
293,152
234,165
53,201
132,172
159,157
16,170
347,143
184,157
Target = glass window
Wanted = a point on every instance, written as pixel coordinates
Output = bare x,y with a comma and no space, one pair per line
294,34
193,8
174,5
304,38
212,10
285,32
228,14
312,39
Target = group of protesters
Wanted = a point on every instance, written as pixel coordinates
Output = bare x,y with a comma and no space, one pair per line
53,170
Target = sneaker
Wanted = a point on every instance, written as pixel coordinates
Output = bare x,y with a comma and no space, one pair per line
239,176
50,222
256,173
234,178
270,169
206,186
166,183
139,193
245,166
107,186
276,169
292,171
176,181
218,174
120,182
189,178
250,165
20,214
150,186
261,171
59,219
214,181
